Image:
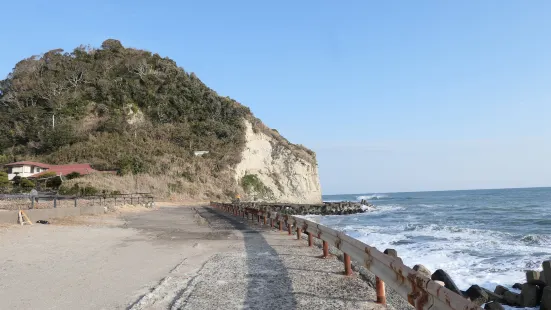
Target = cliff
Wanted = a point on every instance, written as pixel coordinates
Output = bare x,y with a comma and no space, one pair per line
287,176
140,114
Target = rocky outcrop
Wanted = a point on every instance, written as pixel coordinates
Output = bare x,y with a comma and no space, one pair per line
287,175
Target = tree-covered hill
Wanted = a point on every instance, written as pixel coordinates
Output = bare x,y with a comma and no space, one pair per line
122,109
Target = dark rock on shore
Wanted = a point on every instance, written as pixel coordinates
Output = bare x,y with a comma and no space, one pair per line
493,306
441,275
477,295
327,208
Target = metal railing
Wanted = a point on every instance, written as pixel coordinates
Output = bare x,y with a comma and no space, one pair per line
54,200
420,291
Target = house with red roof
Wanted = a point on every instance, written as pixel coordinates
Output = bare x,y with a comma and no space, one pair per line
31,169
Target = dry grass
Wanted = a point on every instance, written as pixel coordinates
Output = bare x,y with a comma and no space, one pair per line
164,187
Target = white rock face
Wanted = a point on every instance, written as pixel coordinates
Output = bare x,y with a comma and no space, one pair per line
290,178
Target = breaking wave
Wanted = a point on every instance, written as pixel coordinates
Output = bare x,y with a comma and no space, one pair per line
371,197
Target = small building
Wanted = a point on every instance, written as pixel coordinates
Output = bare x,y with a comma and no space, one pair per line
25,169
30,169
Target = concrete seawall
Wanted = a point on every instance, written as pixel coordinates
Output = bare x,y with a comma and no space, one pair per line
11,217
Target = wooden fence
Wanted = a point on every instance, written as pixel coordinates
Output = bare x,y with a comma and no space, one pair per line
54,201
420,291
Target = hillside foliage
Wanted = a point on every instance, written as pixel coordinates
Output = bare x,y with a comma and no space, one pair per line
120,109
109,99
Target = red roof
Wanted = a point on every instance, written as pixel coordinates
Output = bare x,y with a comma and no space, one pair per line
83,169
28,163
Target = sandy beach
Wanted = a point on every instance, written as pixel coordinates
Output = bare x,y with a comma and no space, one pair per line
170,258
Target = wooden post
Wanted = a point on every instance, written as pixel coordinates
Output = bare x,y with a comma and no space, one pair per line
75,202
289,227
310,239
55,202
298,233
325,249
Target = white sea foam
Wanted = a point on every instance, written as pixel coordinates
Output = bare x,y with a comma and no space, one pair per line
388,208
470,256
371,197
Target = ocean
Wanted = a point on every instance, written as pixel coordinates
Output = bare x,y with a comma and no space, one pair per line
484,237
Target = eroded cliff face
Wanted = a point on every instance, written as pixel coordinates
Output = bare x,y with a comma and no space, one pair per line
288,176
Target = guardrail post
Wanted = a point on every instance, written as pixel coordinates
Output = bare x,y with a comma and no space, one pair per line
55,202
298,233
280,225
380,286
289,227
75,202
258,218
347,265
310,239
265,219
325,249
271,222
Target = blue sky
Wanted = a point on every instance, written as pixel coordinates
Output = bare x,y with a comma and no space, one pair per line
392,95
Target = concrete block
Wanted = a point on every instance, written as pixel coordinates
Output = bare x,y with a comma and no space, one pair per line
546,299
422,270
441,275
500,290
493,306
530,295
532,275
547,271
477,295
512,299
493,296
518,286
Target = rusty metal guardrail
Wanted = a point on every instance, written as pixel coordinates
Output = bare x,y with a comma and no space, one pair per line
420,291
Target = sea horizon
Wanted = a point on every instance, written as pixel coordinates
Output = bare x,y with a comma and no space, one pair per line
439,190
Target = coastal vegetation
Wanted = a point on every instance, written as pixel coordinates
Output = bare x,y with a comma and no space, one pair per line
125,110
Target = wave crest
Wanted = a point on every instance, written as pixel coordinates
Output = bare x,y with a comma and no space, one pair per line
372,197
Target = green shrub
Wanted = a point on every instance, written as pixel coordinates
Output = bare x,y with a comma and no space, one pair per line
26,183
254,186
73,175
54,182
89,191
70,191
